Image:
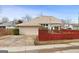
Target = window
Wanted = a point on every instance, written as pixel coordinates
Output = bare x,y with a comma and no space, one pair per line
42,24
2,27
46,24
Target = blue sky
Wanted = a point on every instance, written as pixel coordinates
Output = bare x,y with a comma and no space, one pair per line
59,11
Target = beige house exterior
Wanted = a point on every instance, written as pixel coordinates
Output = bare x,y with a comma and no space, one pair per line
32,27
29,30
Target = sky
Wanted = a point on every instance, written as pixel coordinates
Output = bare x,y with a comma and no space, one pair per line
70,12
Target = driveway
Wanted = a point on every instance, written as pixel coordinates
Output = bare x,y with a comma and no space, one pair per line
21,43
12,40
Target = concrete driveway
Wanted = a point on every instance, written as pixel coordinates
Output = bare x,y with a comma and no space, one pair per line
13,41
25,44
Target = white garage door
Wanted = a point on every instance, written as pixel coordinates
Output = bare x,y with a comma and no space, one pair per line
28,30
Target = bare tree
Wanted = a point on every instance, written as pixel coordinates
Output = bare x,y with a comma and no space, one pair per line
5,19
27,18
66,21
18,21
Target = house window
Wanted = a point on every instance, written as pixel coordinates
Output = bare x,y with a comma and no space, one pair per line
44,24
2,27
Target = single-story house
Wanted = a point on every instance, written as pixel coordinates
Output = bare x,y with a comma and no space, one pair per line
32,27
71,26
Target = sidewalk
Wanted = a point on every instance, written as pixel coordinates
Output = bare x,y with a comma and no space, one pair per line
37,48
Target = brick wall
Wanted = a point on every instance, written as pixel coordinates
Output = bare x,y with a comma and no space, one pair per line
45,35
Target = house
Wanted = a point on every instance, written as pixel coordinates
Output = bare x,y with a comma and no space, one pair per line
32,27
67,26
73,26
9,24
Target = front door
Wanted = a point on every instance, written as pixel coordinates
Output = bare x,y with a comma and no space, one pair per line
56,28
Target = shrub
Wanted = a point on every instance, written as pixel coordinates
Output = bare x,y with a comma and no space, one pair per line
16,31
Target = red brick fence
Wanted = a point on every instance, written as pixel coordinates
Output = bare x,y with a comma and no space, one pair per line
45,35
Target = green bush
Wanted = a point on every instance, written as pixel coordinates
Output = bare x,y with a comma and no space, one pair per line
16,31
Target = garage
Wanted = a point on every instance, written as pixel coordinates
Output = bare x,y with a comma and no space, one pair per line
29,30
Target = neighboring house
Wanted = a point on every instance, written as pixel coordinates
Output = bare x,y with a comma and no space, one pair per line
32,27
71,26
75,26
10,24
67,26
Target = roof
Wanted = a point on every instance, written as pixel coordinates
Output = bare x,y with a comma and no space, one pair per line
28,24
7,24
41,20
75,24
